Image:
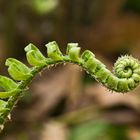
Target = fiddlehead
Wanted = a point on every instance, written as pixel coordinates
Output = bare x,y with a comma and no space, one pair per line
125,78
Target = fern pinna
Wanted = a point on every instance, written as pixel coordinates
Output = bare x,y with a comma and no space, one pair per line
125,78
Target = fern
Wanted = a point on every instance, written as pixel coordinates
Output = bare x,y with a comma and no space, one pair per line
125,78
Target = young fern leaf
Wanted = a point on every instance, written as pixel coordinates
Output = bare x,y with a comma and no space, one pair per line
73,52
9,86
86,55
34,56
7,83
3,106
125,78
17,70
53,51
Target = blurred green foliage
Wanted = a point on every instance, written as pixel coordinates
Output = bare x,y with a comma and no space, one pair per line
98,130
44,6
132,5
89,131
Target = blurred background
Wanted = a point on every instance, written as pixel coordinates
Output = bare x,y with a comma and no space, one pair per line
65,103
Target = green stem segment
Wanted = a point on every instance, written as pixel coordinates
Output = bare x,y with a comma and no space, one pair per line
125,78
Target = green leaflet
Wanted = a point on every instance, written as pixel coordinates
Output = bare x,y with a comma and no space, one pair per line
91,62
87,55
2,103
34,56
73,51
7,94
103,75
7,83
53,51
9,86
3,106
18,70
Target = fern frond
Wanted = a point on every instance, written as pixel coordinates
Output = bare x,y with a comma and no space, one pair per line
126,75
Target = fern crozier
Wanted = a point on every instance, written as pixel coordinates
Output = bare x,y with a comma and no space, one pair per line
125,76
